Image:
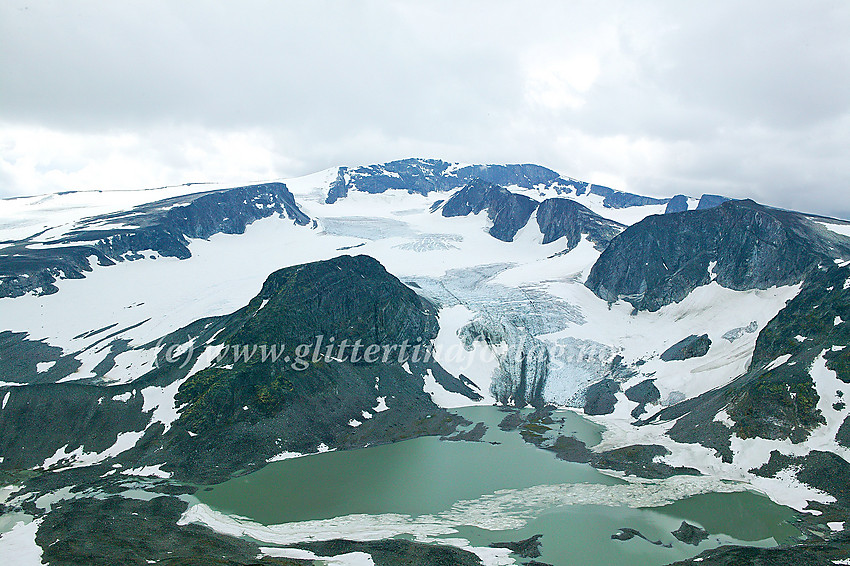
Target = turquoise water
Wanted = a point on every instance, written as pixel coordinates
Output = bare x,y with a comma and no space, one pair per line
508,478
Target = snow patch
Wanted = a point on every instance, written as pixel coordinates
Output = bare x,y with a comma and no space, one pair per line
284,456
442,397
348,559
42,367
161,400
148,471
62,459
778,362
19,544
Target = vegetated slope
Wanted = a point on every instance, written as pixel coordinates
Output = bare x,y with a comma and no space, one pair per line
204,412
740,244
34,263
795,387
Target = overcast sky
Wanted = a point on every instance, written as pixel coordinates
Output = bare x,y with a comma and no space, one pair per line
746,99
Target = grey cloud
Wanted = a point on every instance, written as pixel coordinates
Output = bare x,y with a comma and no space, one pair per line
743,98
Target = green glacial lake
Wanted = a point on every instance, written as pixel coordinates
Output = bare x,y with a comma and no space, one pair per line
501,489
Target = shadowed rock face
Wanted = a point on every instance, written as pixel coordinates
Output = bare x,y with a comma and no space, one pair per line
508,211
600,397
740,244
560,217
556,217
710,201
678,203
691,347
162,227
423,176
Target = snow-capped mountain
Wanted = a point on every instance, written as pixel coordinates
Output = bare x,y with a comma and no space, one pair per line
706,335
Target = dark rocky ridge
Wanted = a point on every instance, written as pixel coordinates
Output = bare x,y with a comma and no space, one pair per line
423,176
508,211
561,217
678,203
527,548
163,226
710,201
662,258
287,410
556,217
347,298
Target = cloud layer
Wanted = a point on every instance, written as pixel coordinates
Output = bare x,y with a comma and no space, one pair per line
748,99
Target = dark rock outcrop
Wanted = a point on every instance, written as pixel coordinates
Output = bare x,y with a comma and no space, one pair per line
741,244
561,217
691,347
600,399
643,393
825,471
527,548
619,199
678,203
508,211
843,434
118,530
812,553
710,201
389,552
343,300
690,534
